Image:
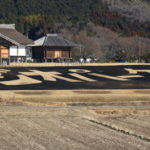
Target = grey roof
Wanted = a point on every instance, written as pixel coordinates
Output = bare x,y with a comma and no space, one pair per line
9,33
54,40
7,26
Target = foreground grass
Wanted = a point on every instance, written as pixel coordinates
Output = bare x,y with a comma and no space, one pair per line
73,96
70,64
85,99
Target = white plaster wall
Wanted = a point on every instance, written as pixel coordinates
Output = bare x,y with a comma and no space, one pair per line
13,51
21,51
17,51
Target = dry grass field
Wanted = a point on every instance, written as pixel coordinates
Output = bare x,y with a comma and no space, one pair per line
90,119
49,97
96,119
75,119
72,64
83,128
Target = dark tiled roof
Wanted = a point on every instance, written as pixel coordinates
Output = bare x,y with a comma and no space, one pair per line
54,40
14,36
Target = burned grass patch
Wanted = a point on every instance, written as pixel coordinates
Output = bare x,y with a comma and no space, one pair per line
122,111
142,92
92,92
34,93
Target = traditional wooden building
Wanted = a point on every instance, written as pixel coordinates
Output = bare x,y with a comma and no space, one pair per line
52,48
13,45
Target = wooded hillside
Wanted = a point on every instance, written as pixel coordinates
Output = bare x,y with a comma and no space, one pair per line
101,26
36,17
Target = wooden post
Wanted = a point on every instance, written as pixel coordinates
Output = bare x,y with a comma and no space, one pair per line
26,49
45,55
9,54
17,53
0,55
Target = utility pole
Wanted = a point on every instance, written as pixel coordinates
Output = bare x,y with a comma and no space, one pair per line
139,43
139,48
80,51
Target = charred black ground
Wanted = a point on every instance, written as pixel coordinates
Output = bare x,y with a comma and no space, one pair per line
100,83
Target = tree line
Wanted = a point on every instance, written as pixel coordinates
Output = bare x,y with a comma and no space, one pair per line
35,18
